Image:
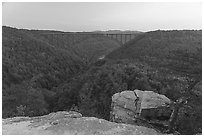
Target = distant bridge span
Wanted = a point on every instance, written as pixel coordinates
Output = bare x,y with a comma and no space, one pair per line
122,38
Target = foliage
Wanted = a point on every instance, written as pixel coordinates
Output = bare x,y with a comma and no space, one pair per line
34,64
43,73
20,110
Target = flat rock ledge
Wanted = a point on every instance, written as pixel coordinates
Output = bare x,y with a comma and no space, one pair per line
69,123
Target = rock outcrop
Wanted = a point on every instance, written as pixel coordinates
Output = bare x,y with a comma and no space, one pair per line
69,123
131,106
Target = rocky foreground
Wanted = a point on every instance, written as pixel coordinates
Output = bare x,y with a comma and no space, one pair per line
69,123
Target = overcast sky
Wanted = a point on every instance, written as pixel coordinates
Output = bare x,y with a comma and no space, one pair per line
103,16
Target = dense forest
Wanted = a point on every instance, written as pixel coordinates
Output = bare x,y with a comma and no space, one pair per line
43,73
34,63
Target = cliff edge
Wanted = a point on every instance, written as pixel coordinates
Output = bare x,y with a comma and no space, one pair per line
69,123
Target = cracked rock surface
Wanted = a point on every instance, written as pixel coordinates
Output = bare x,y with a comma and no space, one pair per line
130,106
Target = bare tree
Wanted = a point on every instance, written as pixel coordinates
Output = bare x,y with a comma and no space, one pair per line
179,103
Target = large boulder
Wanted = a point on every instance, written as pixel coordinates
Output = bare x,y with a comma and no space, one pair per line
70,123
130,106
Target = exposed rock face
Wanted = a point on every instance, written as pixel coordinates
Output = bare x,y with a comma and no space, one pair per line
69,123
130,106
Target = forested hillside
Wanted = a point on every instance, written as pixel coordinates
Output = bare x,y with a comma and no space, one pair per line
173,50
34,63
43,73
87,46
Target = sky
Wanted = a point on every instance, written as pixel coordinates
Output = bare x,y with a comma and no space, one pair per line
90,16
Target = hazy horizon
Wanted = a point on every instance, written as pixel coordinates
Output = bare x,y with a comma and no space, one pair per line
94,16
